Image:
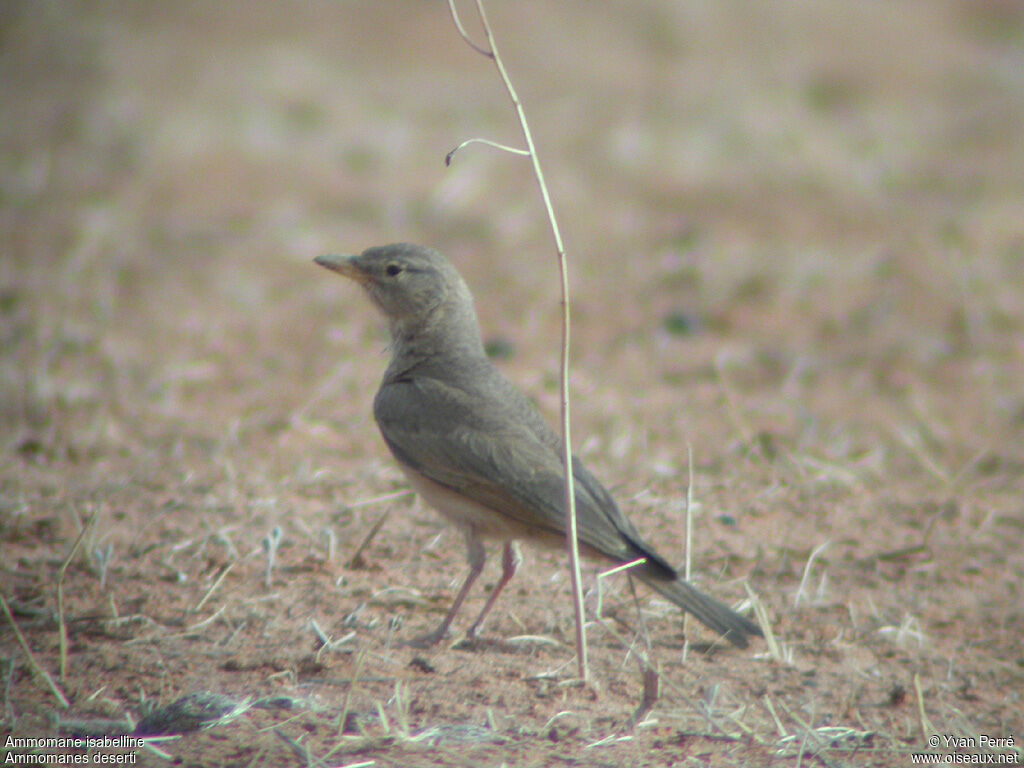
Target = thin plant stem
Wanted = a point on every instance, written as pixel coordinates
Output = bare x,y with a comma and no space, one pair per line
572,544
62,629
41,673
689,544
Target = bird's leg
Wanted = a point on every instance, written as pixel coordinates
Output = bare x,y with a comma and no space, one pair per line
476,555
509,565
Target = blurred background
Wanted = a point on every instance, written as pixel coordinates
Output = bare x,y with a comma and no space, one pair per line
825,184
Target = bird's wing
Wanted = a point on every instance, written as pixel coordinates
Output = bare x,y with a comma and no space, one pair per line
483,446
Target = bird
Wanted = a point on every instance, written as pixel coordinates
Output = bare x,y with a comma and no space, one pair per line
478,451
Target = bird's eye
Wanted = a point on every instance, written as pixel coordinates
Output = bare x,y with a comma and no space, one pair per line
391,270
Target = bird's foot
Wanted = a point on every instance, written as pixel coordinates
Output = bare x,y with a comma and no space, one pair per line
429,640
472,640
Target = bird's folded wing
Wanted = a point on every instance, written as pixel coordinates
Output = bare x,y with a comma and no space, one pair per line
480,451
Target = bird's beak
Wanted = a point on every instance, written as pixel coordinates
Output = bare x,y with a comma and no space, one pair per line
345,265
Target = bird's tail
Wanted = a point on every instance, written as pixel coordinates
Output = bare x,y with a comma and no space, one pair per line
724,620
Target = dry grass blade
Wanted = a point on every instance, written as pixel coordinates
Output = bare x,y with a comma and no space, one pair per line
356,560
62,629
687,566
807,573
7,712
213,588
343,717
38,670
774,648
927,729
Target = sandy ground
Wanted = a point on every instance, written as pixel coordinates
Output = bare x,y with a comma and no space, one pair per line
797,255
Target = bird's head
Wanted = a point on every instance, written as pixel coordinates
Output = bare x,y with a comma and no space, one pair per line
418,290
